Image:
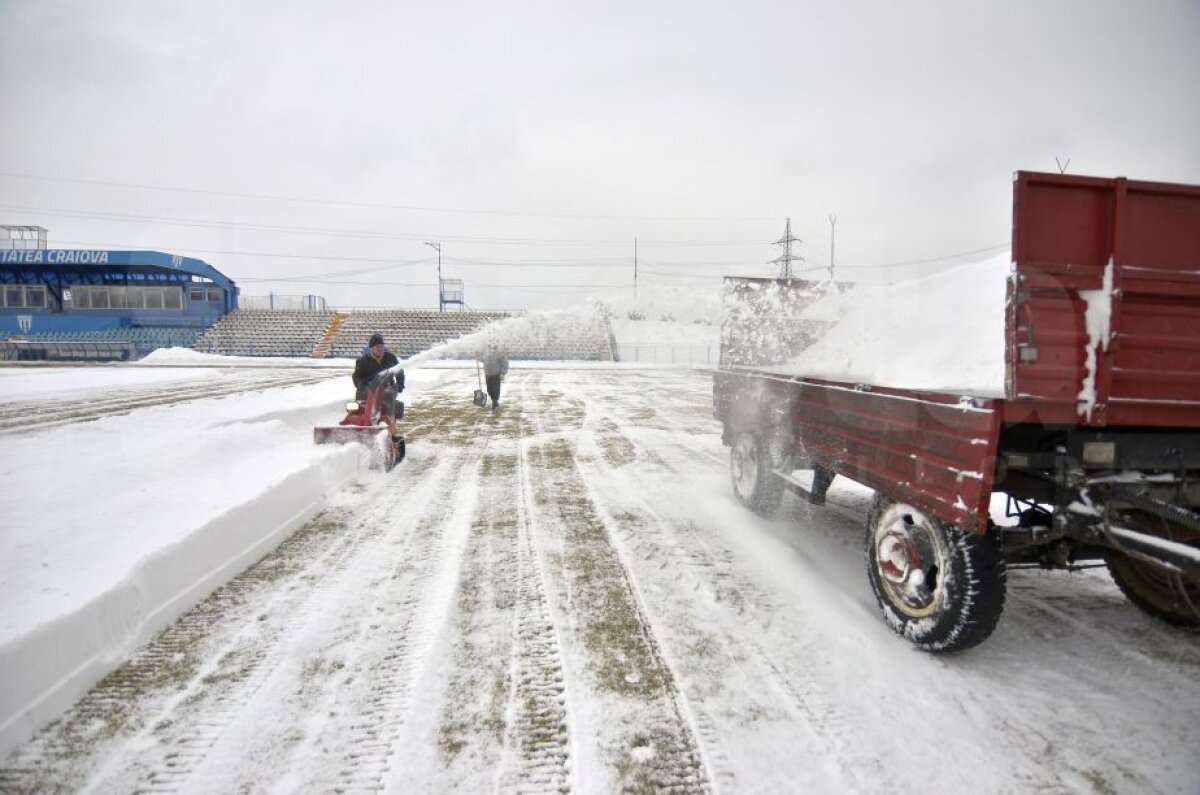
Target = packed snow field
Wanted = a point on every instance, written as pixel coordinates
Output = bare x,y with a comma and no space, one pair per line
560,595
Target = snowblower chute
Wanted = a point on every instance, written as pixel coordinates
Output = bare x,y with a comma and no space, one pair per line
371,422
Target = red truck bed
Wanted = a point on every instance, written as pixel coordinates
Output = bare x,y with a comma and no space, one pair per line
1066,232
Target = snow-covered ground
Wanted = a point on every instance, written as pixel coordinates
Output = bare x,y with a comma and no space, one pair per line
561,594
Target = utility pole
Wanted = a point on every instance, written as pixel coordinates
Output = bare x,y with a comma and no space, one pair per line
784,261
635,267
438,248
832,234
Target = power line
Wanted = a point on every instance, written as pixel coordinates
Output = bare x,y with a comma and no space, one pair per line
386,263
996,247
370,205
392,262
364,234
561,263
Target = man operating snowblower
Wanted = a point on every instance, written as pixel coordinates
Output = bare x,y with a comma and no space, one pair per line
371,419
377,359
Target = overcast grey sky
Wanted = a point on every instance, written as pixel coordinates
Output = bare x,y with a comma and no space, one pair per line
535,140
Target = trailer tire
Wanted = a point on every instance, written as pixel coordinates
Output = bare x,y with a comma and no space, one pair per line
1169,596
750,465
941,588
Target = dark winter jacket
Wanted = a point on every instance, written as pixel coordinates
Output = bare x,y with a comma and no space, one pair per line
367,367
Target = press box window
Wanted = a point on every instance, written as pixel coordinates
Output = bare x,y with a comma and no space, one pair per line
210,294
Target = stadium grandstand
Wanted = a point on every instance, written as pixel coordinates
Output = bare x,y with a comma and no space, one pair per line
343,334
86,304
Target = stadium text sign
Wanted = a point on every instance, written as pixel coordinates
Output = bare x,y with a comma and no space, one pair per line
55,257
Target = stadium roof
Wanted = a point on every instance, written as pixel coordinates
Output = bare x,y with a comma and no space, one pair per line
116,259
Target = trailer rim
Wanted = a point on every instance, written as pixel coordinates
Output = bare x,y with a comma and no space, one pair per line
743,466
910,555
750,469
939,587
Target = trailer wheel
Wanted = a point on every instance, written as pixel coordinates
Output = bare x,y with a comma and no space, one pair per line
939,587
750,468
1170,596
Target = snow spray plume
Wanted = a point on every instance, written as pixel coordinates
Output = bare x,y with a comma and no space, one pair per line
523,332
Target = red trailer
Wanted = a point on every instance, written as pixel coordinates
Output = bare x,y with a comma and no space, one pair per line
1096,440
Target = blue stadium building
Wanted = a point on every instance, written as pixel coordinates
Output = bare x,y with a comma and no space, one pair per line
58,302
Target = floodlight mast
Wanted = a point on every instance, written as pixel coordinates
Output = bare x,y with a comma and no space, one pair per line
438,248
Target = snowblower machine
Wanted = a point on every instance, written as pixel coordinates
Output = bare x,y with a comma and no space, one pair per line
369,422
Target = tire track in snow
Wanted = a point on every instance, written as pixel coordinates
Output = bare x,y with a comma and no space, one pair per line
656,544
501,717
538,733
213,718
145,691
413,615
385,617
646,742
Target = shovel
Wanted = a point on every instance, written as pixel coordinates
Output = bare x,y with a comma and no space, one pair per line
480,398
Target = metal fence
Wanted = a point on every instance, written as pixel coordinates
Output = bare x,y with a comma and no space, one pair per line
669,353
289,303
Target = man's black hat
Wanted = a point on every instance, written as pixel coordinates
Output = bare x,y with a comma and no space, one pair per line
376,339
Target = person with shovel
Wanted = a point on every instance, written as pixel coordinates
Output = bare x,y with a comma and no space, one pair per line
495,367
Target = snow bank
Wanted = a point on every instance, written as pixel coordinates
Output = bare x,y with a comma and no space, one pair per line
943,332
113,528
185,357
32,383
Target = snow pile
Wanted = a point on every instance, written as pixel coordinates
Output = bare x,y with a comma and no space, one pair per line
943,332
125,522
43,382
